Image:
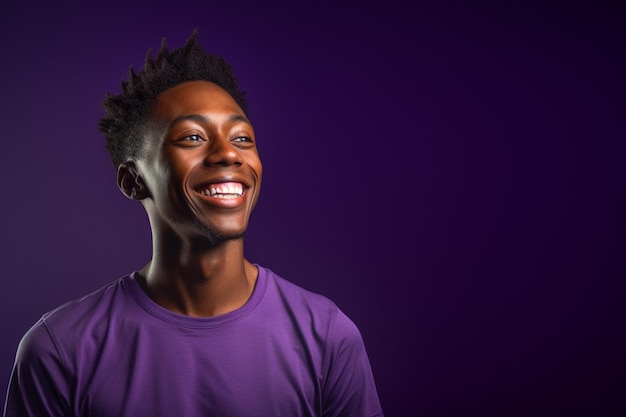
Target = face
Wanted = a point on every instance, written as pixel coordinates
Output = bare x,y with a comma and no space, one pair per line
200,165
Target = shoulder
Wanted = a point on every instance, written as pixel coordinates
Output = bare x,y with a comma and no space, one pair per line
293,291
298,299
36,344
77,320
316,309
75,311
346,380
51,352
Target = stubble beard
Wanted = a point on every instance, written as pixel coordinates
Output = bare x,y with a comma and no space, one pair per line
214,238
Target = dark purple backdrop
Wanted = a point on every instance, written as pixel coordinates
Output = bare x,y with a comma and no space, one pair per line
452,176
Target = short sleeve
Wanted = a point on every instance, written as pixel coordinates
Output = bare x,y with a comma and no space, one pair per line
39,381
349,389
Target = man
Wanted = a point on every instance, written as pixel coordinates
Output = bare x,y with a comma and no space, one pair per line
199,331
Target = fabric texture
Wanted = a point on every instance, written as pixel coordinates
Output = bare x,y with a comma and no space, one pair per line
115,353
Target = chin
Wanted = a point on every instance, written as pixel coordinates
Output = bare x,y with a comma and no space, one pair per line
215,237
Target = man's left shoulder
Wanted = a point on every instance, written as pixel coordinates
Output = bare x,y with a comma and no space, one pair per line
297,294
304,305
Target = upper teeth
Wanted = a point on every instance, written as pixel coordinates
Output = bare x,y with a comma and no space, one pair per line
227,189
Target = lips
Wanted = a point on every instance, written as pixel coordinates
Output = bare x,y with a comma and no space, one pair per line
225,190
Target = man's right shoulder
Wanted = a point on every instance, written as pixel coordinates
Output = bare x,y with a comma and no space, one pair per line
77,319
95,303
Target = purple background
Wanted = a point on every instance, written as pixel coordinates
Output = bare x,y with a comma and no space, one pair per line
452,176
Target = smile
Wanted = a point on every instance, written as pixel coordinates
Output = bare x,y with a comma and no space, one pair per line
223,190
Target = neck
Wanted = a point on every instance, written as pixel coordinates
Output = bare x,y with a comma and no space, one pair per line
198,279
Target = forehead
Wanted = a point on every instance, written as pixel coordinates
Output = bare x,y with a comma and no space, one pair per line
194,97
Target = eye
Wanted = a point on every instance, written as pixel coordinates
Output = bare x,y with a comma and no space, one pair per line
193,138
243,139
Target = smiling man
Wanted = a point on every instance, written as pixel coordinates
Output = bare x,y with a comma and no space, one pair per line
199,331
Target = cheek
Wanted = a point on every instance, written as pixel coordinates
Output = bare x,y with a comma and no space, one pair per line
181,166
258,171
164,181
256,166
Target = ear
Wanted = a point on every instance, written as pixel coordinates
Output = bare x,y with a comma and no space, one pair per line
130,182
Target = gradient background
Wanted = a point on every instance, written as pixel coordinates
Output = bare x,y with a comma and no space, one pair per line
452,176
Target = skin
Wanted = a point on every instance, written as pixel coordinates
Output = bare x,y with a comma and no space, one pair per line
198,138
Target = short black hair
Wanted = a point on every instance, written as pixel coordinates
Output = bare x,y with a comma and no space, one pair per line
125,114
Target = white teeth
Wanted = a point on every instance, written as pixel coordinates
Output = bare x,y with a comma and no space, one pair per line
225,190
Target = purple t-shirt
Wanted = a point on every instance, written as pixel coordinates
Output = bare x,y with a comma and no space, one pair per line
115,353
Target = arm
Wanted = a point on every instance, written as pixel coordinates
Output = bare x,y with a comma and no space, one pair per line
39,384
349,389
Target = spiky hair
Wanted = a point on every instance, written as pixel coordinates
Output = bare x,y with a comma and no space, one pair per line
126,114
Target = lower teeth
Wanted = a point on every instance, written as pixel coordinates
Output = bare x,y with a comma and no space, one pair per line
225,195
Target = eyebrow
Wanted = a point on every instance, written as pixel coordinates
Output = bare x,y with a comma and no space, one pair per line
203,119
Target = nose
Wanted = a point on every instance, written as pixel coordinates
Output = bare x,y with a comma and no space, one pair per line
221,152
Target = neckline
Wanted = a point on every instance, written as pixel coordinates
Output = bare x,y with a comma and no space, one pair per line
180,320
